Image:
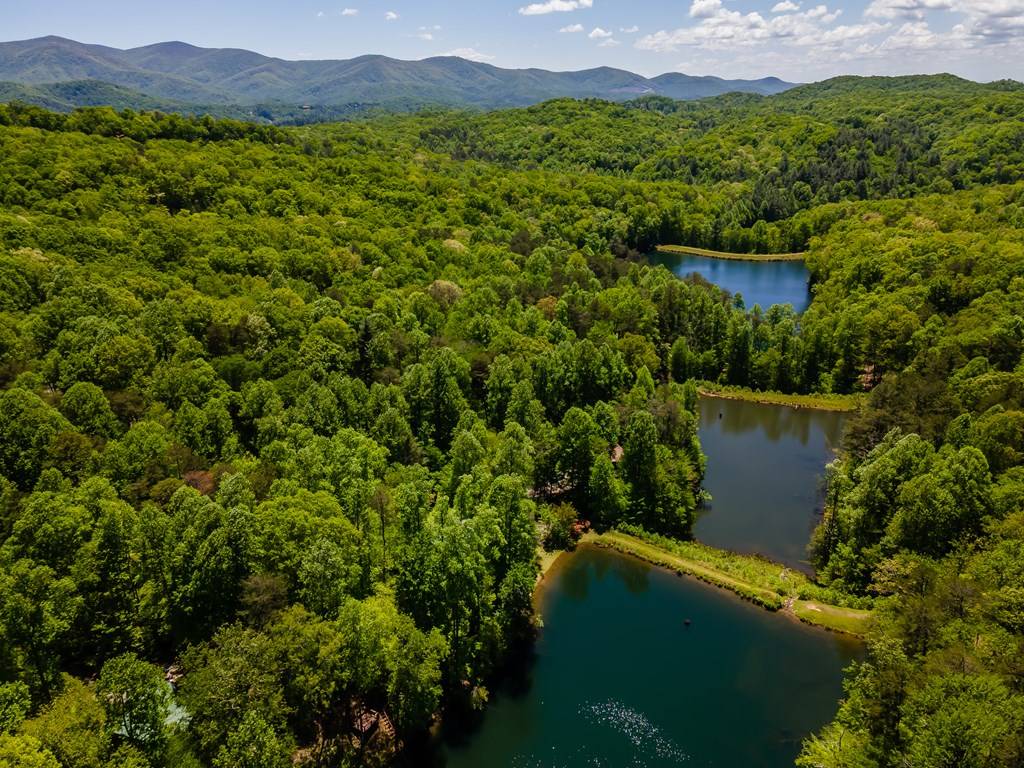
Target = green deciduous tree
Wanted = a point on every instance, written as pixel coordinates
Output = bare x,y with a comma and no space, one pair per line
28,426
136,699
254,744
85,406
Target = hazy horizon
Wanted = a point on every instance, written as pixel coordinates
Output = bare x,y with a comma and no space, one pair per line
765,75
797,41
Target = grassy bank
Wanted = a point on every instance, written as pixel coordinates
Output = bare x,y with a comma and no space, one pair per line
761,581
689,251
818,402
547,559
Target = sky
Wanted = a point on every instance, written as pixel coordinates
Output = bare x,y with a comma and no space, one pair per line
797,40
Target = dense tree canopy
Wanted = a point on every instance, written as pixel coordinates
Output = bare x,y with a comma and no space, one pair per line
292,409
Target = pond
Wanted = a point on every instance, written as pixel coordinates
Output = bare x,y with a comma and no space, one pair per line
759,282
764,473
621,680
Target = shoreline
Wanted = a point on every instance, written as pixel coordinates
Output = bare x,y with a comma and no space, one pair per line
830,403
547,560
686,250
852,622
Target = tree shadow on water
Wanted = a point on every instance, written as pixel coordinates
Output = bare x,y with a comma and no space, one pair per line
462,723
594,564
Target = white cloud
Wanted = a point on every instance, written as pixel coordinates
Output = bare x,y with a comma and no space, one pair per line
427,32
350,12
572,28
909,9
629,30
803,41
822,14
991,21
985,23
816,39
719,28
842,34
914,35
1000,8
319,14
704,9
555,6
469,53
390,16
609,42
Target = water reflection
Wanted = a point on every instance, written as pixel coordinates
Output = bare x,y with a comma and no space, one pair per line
776,422
621,680
764,473
759,282
575,582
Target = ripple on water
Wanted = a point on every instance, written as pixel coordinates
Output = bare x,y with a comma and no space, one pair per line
650,746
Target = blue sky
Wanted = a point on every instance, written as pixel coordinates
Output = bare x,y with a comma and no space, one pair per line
794,39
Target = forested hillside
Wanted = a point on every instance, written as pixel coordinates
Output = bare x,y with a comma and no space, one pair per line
842,139
231,81
290,410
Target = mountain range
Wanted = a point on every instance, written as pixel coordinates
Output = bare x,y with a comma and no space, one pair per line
61,74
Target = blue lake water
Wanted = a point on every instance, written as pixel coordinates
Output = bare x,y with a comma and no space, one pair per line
759,282
620,680
765,468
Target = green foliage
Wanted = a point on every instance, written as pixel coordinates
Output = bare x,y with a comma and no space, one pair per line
559,521
136,699
73,727
14,705
86,407
25,752
254,744
28,428
233,675
936,688
289,405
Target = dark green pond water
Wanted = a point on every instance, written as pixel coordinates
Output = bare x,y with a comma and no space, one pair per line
621,681
764,471
759,282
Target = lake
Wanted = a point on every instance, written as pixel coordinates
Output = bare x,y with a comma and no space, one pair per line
764,471
619,679
759,282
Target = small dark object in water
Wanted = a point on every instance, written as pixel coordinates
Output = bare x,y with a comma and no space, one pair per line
686,622
719,414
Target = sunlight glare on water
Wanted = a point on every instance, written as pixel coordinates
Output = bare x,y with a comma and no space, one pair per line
646,737
650,746
620,681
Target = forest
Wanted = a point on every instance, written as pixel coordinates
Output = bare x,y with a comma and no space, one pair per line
286,413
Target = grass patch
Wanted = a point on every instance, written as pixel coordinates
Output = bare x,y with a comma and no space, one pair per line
851,621
689,251
547,559
757,579
673,559
818,402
